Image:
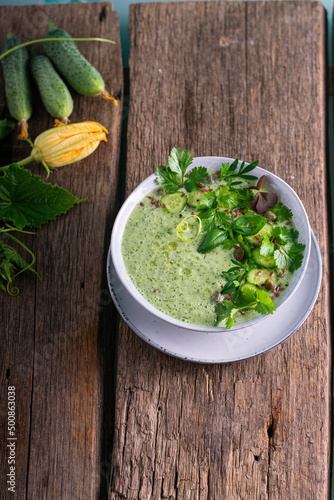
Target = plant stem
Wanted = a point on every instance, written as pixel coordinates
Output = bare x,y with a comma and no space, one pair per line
54,40
27,250
29,159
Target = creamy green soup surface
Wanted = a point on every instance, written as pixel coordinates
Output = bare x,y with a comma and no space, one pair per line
169,272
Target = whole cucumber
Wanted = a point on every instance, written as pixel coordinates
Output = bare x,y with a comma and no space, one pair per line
72,65
17,83
53,91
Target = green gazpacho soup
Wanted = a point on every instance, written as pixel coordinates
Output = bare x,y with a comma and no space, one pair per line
210,248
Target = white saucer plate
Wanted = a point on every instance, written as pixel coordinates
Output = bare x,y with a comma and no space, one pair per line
221,347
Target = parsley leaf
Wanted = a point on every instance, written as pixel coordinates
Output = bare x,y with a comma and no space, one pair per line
168,179
26,200
209,200
179,161
228,199
197,174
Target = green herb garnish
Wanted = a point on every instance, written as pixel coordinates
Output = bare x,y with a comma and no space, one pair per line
229,172
248,298
234,216
170,177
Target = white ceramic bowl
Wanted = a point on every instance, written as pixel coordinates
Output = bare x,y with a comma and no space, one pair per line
285,193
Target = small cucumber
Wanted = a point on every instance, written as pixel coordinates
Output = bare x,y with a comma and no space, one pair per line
195,198
73,66
258,276
17,83
266,261
53,91
260,235
174,202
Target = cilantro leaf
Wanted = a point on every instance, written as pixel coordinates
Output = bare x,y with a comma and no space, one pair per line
167,179
282,212
289,256
267,247
26,200
197,174
257,298
228,199
223,311
281,234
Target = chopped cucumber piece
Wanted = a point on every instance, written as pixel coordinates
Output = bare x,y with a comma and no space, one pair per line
195,198
174,203
263,260
258,276
260,235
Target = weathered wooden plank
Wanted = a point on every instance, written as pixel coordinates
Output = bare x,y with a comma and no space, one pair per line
243,80
59,333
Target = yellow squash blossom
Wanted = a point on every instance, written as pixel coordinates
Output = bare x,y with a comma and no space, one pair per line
65,144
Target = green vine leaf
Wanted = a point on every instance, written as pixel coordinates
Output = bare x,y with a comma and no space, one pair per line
26,200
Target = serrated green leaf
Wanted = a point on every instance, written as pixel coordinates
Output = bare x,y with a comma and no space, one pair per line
267,247
26,200
197,174
208,201
167,179
179,161
282,212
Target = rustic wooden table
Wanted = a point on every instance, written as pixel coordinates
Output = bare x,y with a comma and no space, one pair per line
234,79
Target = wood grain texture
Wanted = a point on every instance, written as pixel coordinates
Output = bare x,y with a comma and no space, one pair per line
242,80
59,333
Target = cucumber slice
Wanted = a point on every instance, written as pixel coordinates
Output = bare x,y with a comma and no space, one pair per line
263,260
258,276
174,203
195,198
260,235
